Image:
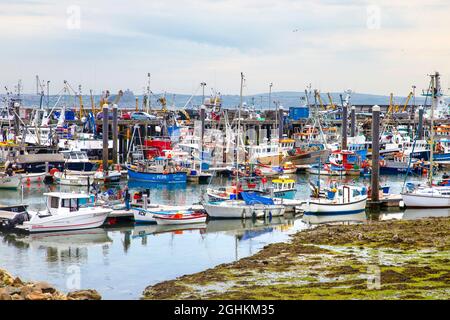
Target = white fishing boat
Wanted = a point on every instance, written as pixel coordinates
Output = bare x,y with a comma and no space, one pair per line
27,178
65,179
10,182
430,196
180,217
146,215
427,197
342,200
65,211
253,206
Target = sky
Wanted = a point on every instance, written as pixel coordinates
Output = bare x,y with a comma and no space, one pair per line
378,46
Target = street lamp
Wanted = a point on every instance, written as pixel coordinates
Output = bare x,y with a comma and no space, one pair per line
203,84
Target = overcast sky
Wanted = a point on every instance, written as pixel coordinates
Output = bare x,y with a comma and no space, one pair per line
378,46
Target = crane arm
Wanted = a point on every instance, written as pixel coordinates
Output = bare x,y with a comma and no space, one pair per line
407,101
331,101
391,107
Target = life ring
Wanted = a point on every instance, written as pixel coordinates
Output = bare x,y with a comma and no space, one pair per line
53,171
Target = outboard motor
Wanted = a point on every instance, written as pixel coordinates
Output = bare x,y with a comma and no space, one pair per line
18,219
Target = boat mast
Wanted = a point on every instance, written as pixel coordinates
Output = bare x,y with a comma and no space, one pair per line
238,133
433,103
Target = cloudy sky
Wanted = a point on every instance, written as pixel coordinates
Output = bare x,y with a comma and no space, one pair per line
377,46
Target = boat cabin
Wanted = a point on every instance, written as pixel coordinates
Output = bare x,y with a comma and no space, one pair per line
60,202
75,156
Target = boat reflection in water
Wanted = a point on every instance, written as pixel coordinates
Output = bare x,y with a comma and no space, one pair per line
68,246
335,219
412,214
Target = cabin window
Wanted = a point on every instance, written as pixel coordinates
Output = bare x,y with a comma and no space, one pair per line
54,202
72,204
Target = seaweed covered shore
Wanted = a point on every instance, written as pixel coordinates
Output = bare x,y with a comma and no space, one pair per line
378,260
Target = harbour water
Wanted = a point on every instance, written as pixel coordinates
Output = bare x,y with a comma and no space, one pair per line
120,260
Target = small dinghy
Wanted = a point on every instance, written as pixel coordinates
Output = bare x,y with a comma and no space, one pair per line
180,217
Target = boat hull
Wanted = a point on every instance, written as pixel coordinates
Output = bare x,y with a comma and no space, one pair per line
91,218
185,220
425,201
179,177
327,207
239,211
10,182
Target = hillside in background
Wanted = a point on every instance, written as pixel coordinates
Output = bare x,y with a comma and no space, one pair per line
286,99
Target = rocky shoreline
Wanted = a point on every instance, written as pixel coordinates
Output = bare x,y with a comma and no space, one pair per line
13,288
378,260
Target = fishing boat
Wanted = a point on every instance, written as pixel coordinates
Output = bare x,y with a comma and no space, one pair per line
146,215
65,211
307,154
339,200
284,187
10,182
65,179
28,178
252,206
179,217
430,196
288,167
160,170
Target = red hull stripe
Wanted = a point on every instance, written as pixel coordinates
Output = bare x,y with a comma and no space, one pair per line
72,225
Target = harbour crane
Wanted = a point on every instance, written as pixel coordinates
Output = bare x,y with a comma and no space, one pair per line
317,93
410,95
332,105
80,97
92,103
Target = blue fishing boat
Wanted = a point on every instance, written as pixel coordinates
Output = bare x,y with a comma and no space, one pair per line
177,177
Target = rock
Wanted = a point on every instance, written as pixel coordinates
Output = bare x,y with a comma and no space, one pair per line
17,282
360,236
44,287
25,290
38,296
16,297
84,295
396,238
4,296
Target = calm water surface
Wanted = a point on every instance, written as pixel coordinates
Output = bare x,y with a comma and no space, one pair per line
121,260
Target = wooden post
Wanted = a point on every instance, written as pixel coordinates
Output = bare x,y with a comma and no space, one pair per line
420,124
281,122
115,134
344,128
375,199
353,121
105,135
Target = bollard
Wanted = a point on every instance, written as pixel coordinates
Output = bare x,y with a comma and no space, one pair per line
144,198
